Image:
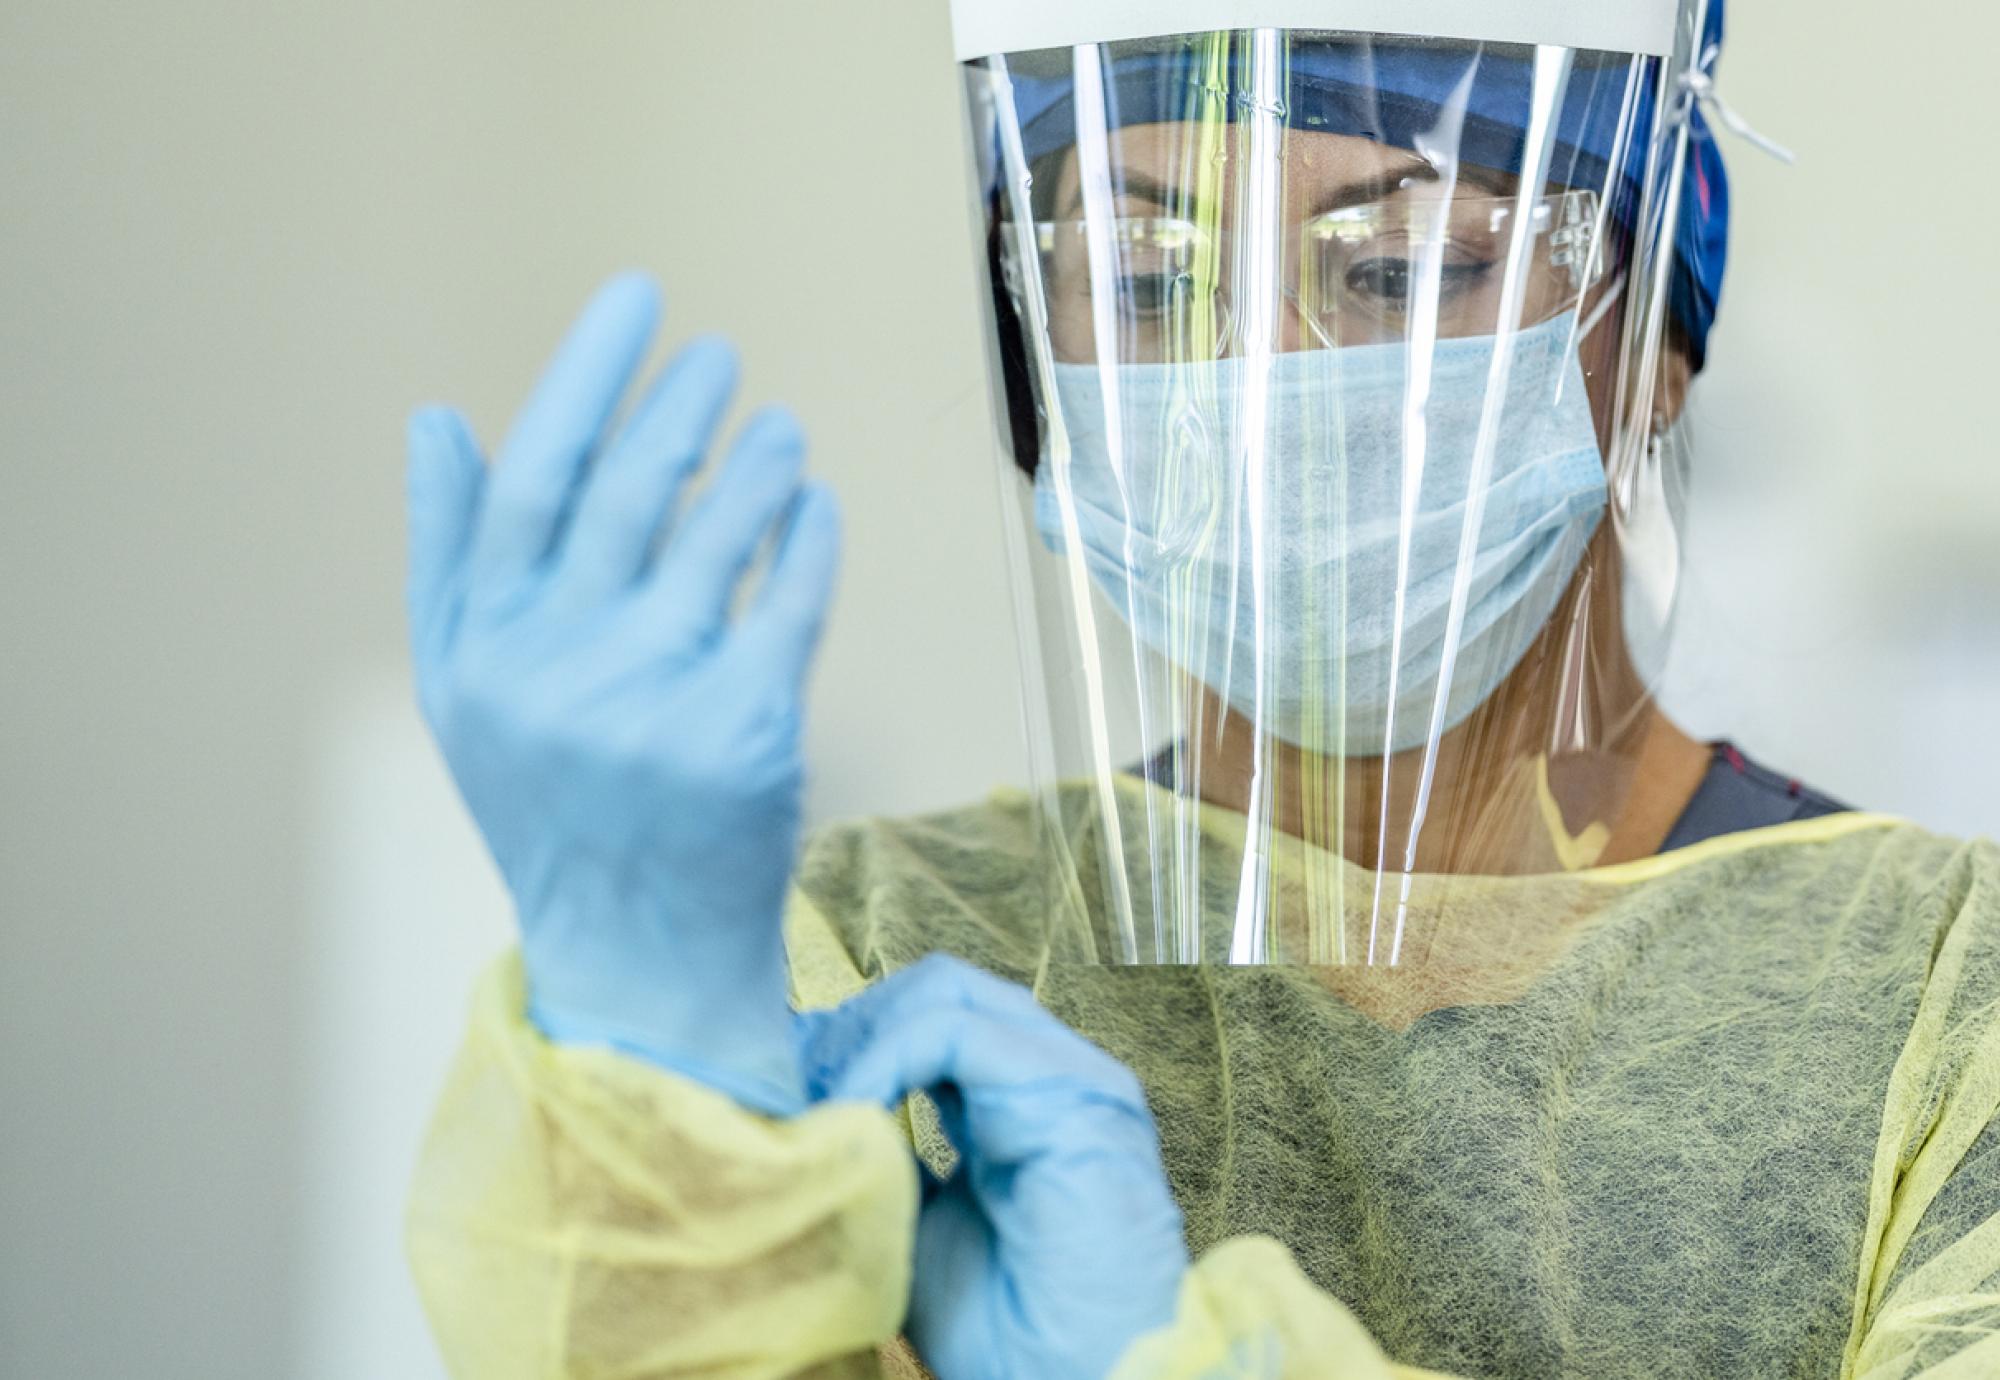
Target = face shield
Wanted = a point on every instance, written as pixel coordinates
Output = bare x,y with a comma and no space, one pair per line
1337,454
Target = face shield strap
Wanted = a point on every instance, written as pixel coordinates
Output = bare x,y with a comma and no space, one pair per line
1698,89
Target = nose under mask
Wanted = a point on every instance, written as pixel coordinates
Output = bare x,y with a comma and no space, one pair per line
1295,532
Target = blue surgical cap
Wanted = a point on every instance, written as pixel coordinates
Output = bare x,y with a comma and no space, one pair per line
1390,91
1701,245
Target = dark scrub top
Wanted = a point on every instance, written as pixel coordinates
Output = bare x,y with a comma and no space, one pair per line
1738,795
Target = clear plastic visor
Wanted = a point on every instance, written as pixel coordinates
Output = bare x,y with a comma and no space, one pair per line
1319,356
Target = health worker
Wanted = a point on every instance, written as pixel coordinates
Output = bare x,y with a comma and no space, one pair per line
1373,980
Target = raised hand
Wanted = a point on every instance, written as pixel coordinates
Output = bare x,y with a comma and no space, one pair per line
630,751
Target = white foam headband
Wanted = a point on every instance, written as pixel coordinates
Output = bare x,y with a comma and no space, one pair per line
981,28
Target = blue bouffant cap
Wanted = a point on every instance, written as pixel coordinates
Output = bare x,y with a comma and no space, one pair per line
1390,90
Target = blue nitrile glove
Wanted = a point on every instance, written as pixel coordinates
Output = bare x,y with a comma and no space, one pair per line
1055,1243
630,751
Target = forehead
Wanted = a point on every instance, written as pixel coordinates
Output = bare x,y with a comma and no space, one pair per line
1191,157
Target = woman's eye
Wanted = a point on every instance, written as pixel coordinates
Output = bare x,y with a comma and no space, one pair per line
1390,281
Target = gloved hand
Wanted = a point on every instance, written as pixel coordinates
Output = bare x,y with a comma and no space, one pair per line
631,754
1055,1242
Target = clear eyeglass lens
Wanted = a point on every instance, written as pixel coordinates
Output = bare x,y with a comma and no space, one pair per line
1351,276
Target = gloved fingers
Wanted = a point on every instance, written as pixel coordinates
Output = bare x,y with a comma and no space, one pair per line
934,980
445,476
942,1023
779,635
552,438
949,1320
1008,1094
705,558
952,1223
633,485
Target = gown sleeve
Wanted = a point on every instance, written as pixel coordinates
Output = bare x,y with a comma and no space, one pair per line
578,1213
1246,1312
1927,1301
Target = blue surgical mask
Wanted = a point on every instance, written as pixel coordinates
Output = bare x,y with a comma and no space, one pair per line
1301,559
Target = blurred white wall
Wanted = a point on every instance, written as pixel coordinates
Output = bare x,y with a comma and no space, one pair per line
1844,615
238,906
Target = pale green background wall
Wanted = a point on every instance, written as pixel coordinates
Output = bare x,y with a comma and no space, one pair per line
237,242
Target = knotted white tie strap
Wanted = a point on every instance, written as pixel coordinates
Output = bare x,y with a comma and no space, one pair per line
1699,86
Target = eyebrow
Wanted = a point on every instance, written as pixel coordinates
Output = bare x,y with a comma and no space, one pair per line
1133,182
